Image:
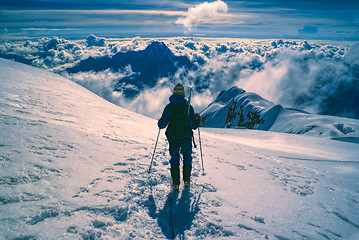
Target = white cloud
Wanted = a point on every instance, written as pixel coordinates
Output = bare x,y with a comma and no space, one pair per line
265,82
201,11
352,56
297,74
151,102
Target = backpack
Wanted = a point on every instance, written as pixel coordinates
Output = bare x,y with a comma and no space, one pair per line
179,126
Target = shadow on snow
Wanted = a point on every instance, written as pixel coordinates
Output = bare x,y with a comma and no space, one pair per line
177,214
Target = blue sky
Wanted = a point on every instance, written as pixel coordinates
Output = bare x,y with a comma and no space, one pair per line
304,19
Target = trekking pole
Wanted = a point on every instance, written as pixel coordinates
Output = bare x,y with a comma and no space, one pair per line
199,135
154,150
200,148
189,100
194,142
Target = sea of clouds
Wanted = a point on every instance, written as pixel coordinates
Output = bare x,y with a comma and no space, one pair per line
321,77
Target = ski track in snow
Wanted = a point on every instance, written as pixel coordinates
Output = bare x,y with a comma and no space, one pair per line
74,166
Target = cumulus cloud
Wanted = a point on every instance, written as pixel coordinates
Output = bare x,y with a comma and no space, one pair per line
265,82
92,40
352,56
101,83
201,11
316,80
151,102
314,76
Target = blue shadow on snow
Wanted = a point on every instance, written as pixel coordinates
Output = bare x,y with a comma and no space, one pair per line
177,214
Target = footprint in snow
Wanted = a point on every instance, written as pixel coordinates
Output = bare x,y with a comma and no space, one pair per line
120,164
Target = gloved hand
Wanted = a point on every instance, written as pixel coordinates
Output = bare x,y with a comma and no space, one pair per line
198,117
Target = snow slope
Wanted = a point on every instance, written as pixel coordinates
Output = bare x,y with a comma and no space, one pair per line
236,108
73,166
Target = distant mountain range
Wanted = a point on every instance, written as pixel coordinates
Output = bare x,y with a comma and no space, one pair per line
236,108
147,66
16,58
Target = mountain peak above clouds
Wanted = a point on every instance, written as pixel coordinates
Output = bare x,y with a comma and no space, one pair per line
236,108
158,50
147,67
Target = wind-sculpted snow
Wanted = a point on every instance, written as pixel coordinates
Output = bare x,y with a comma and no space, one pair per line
74,166
316,76
236,108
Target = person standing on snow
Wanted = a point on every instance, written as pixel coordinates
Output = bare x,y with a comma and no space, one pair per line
180,118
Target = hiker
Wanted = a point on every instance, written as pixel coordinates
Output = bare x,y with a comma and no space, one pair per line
180,118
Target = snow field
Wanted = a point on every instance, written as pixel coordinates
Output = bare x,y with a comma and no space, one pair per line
74,166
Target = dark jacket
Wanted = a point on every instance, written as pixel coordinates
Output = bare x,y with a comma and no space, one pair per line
177,104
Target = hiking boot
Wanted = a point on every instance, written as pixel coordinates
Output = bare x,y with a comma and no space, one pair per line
187,173
175,174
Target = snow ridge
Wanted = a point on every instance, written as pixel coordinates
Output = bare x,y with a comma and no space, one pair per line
236,108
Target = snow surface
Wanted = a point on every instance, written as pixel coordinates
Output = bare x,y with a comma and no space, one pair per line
73,165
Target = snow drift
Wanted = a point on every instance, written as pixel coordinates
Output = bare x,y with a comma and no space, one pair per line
74,166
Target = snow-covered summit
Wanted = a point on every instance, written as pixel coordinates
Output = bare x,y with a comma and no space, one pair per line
225,96
236,108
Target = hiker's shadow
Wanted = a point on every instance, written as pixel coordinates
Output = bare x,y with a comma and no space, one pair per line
177,214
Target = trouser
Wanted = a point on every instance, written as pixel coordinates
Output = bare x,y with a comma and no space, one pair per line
185,147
